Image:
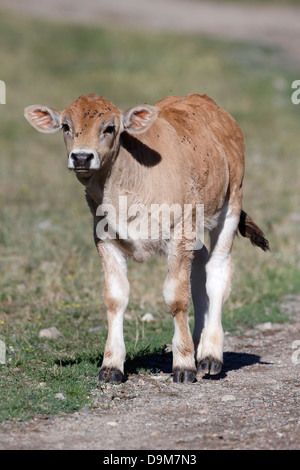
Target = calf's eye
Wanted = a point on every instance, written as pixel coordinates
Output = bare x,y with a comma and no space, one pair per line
109,130
65,127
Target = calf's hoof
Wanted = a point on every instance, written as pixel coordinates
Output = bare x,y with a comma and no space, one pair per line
210,365
109,374
184,376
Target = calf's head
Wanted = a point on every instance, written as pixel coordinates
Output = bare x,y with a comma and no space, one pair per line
91,127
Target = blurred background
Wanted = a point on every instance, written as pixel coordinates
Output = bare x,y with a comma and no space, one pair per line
245,55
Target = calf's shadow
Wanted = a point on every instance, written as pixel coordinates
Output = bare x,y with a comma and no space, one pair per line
155,363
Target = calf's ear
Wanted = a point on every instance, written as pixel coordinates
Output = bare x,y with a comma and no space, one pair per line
138,119
43,118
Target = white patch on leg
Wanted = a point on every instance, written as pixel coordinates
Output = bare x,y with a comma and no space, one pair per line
116,297
115,352
219,274
211,344
181,358
169,290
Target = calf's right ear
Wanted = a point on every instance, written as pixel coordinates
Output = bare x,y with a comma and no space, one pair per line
43,118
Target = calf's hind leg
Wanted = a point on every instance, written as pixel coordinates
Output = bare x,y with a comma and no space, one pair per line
219,270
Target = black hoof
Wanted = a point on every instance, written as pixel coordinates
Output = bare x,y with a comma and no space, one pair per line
210,366
108,374
184,376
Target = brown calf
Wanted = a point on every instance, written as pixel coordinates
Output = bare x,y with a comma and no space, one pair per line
182,153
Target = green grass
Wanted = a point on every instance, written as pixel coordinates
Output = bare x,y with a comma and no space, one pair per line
50,272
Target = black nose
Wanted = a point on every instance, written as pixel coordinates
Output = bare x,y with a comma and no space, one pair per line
82,159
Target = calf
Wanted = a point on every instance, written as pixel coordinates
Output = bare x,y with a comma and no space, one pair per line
184,152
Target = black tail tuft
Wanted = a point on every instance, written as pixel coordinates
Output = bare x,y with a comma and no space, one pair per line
249,229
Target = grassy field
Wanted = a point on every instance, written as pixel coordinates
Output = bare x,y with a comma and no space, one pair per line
50,271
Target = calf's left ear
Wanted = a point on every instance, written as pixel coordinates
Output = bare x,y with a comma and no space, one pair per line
138,119
43,118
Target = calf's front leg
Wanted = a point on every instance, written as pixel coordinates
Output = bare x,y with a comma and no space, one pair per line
176,294
116,296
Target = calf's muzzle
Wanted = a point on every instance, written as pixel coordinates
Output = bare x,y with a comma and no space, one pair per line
83,159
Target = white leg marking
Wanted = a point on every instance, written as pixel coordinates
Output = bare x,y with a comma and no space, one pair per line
116,296
183,357
219,274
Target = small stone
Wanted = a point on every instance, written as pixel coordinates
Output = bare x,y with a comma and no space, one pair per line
148,317
21,287
46,225
112,423
265,326
157,377
85,410
60,396
49,333
128,316
249,333
47,266
228,398
95,329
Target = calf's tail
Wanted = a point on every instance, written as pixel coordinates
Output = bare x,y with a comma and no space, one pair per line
249,229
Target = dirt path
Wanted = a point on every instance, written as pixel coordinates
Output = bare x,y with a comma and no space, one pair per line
277,26
254,404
